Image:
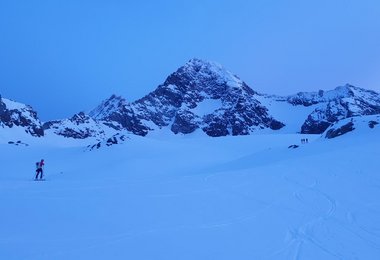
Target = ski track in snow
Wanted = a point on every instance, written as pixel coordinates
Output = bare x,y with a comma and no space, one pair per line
303,234
300,235
215,225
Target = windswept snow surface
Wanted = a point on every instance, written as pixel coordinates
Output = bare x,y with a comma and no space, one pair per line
245,197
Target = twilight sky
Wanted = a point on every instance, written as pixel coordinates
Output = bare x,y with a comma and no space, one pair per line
66,56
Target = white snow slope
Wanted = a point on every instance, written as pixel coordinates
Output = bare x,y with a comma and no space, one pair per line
245,197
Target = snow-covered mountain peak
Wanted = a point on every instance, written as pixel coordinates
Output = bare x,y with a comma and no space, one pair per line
207,76
342,92
207,67
346,90
365,95
108,106
199,64
80,118
198,95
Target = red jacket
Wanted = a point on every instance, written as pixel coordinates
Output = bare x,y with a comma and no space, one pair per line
42,163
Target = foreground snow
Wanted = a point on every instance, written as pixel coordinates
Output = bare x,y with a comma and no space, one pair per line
246,197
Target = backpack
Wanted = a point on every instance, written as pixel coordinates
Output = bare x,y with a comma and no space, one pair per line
37,165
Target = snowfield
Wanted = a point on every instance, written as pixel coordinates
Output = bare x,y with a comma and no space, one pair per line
193,197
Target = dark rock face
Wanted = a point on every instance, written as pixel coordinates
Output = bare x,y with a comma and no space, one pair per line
185,122
129,120
215,126
276,125
372,124
179,101
240,120
2,106
314,127
16,114
321,118
332,133
67,132
116,110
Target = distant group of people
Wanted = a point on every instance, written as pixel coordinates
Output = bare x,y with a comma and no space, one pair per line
304,141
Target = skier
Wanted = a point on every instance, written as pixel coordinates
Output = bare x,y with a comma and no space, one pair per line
40,169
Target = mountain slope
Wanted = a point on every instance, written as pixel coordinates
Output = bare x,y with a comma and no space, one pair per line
362,125
314,112
80,126
21,116
200,95
340,103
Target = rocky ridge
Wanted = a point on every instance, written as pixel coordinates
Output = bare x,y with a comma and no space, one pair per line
79,126
343,102
201,96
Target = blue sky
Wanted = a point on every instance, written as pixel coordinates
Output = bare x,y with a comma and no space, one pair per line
63,57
